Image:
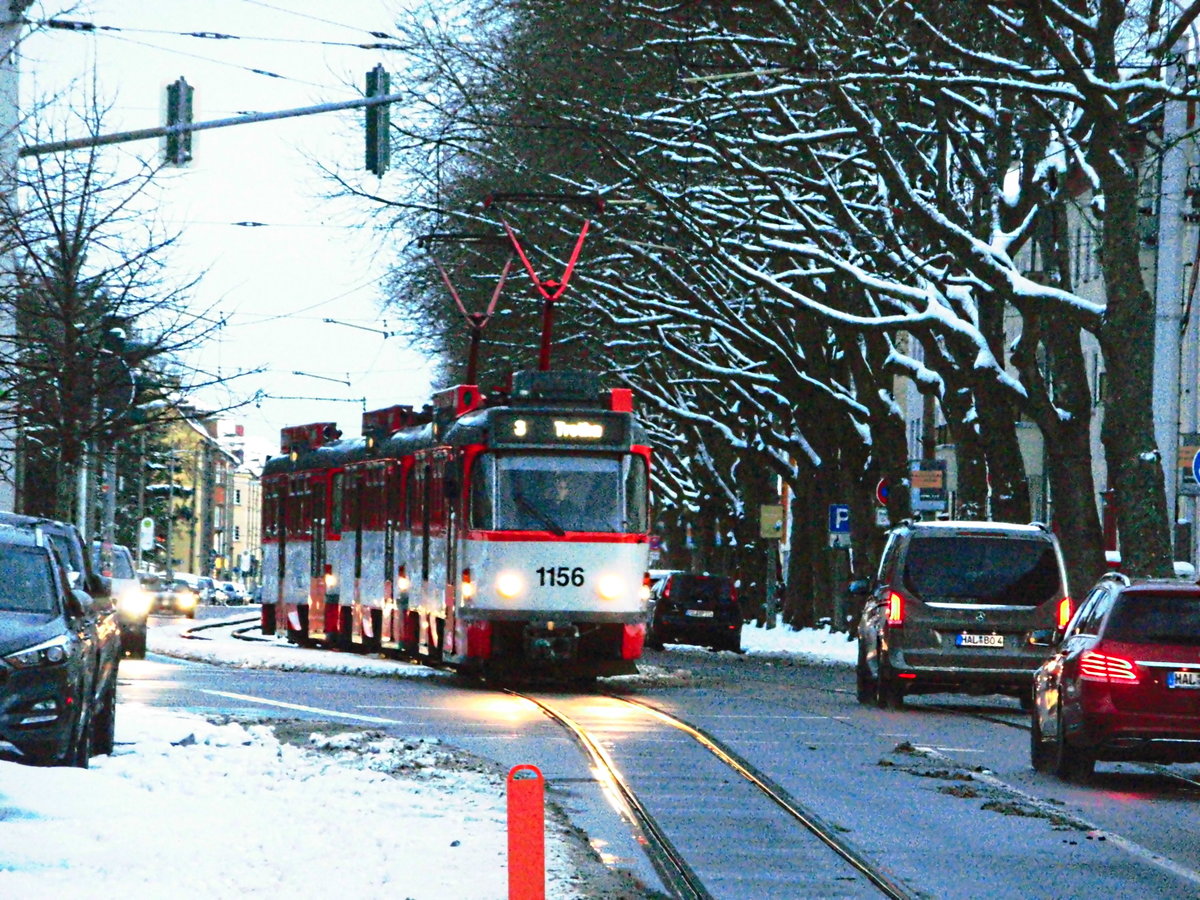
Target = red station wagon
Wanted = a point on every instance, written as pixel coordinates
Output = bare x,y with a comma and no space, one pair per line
1124,682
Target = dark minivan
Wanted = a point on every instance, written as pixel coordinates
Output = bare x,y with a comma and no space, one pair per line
955,607
695,609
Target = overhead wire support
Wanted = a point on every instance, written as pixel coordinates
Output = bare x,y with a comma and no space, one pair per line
476,322
550,289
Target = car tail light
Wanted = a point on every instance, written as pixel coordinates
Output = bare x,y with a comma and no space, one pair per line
667,588
895,613
1095,666
1064,613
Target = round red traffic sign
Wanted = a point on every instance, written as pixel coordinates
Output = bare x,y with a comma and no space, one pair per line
881,491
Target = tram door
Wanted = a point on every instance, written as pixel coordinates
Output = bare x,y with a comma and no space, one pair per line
318,626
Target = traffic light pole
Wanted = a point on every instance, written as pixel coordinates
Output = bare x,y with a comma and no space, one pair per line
142,134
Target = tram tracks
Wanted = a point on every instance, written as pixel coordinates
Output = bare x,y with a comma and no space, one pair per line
677,874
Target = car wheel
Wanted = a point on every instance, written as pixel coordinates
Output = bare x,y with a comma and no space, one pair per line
889,694
864,680
1040,750
105,724
1067,762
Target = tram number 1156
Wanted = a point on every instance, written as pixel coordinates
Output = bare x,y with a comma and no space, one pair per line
560,576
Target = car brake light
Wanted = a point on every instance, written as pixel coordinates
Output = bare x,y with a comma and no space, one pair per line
1095,666
895,613
1064,613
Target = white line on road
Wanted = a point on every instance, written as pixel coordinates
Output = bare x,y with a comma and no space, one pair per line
309,709
1050,809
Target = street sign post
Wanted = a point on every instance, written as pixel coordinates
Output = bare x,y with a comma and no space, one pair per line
839,525
146,534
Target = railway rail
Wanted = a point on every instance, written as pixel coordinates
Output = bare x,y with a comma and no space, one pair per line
678,875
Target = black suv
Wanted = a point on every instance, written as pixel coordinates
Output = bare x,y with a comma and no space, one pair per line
954,608
58,671
695,609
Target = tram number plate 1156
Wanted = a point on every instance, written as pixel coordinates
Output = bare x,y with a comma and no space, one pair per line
980,640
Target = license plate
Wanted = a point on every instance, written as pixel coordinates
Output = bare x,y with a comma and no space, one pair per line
980,640
1183,679
699,613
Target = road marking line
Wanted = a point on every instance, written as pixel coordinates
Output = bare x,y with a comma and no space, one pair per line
1093,830
309,709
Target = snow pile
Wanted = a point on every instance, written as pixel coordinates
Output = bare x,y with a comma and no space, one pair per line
190,808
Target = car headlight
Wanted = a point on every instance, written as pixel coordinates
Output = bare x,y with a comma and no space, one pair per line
135,603
187,598
47,653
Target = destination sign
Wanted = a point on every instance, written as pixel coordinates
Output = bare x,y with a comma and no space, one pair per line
601,429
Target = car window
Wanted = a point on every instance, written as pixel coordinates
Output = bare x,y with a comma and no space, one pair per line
985,570
700,589
68,552
28,583
1084,621
888,560
1155,618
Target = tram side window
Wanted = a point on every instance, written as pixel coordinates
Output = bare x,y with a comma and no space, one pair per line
636,513
481,491
335,514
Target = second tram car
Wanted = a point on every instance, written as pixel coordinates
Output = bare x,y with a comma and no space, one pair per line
503,535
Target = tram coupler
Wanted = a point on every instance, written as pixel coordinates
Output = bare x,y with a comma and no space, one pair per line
550,642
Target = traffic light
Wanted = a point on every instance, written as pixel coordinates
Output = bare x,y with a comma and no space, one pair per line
179,112
378,147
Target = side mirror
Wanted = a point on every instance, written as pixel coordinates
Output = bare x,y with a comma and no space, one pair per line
79,603
100,587
1045,637
859,587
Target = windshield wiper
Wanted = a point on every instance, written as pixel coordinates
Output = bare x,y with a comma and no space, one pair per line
553,527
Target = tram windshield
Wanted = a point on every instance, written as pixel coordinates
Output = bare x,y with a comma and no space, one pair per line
559,493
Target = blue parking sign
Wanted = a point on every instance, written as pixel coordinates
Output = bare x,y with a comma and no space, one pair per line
839,518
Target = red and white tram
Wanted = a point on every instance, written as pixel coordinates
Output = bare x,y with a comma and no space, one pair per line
504,535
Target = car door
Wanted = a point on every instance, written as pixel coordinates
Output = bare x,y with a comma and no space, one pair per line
1081,636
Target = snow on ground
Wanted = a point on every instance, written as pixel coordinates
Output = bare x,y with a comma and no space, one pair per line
187,807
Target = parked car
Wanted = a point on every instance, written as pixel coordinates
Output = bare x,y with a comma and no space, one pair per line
695,609
1123,682
952,608
233,593
133,602
59,652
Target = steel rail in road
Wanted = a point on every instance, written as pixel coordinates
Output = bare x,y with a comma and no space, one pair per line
887,884
672,868
677,875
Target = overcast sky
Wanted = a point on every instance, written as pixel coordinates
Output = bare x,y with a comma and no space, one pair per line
311,258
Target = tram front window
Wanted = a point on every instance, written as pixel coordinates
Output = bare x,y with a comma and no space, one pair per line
554,493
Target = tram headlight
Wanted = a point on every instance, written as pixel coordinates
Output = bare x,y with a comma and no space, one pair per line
610,586
510,585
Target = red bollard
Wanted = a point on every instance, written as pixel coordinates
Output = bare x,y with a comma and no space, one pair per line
526,834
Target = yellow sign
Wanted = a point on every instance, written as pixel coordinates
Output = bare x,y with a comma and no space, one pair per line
770,520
